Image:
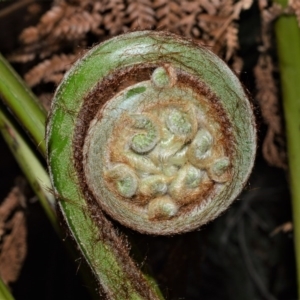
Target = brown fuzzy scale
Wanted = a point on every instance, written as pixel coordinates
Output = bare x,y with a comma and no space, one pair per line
110,86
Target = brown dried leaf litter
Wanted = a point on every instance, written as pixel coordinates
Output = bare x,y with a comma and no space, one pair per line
50,70
13,234
70,26
267,92
295,7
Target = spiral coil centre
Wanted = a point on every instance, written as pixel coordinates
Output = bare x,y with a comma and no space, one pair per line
164,151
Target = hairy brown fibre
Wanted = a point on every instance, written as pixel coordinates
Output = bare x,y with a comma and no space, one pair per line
113,83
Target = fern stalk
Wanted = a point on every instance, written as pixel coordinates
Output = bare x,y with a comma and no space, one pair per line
23,103
30,165
4,292
288,47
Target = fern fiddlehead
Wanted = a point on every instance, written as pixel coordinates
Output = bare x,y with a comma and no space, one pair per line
154,130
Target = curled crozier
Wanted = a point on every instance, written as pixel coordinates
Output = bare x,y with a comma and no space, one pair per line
154,129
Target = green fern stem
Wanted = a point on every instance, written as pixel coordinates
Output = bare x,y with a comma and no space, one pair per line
4,292
23,104
30,165
288,48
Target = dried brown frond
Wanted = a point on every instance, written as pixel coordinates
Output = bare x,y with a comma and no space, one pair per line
13,235
188,19
168,14
212,23
285,228
50,70
225,33
34,8
32,51
75,25
212,7
54,78
232,40
63,24
295,5
114,16
267,95
268,15
46,24
140,14
267,92
239,6
21,57
237,64
246,4
65,21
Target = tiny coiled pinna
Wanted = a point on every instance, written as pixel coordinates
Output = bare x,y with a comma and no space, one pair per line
154,130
